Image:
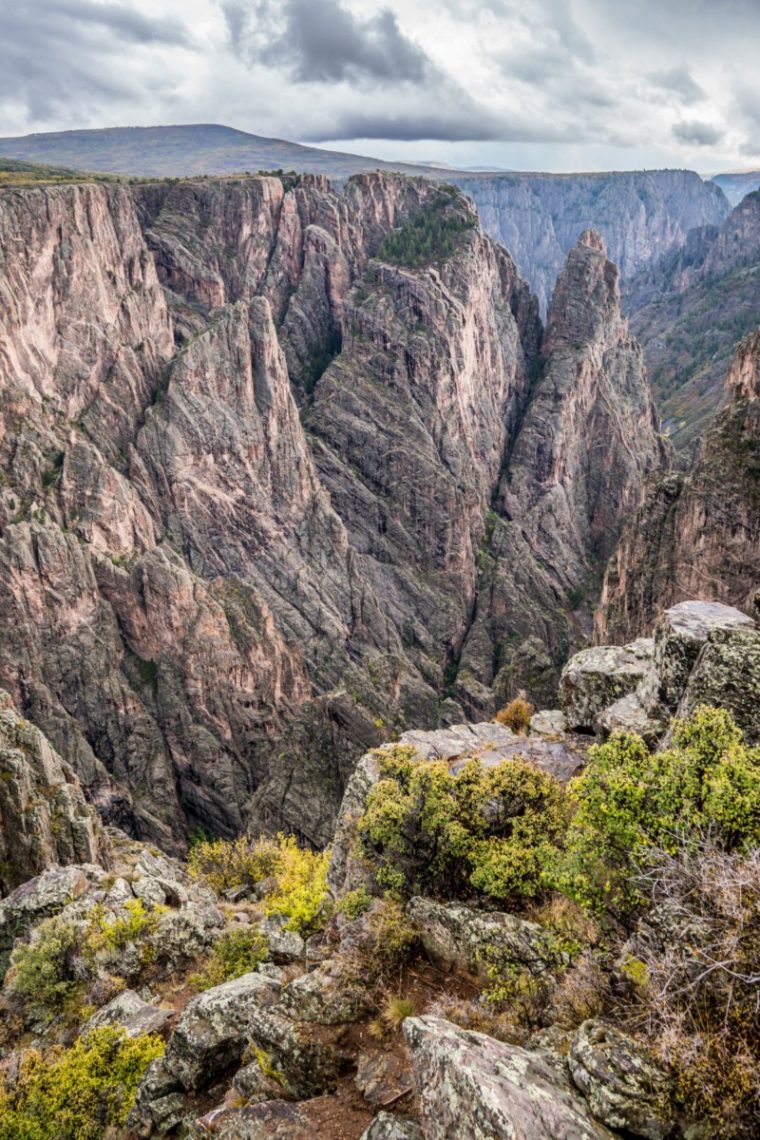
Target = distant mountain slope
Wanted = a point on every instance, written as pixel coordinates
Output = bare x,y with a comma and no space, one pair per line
690,309
16,173
736,185
538,217
185,150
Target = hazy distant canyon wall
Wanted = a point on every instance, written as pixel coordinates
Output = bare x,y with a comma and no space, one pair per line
641,215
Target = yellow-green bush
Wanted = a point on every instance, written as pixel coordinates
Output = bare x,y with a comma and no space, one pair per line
301,892
107,930
225,863
299,875
354,903
488,831
77,1093
237,952
629,800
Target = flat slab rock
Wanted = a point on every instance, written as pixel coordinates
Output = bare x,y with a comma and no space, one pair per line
473,1086
134,1015
272,1120
492,743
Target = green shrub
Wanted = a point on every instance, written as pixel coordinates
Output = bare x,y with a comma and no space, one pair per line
108,931
629,800
299,887
354,903
41,971
486,831
77,1093
237,952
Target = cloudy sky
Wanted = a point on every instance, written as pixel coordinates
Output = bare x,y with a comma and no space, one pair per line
530,84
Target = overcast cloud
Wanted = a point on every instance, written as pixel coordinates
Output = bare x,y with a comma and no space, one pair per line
541,84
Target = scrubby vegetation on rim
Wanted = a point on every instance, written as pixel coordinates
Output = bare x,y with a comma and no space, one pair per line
431,235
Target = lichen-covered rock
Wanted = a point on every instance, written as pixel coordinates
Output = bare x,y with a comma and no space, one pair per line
40,898
595,678
549,722
474,1086
459,939
388,1127
128,1011
298,1060
383,1077
332,994
680,635
727,675
284,945
627,714
44,818
626,1089
213,1029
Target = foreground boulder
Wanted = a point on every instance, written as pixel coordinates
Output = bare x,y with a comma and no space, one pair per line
595,678
457,938
624,1086
473,1086
213,1030
702,653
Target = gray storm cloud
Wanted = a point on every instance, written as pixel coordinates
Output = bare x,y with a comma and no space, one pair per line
572,78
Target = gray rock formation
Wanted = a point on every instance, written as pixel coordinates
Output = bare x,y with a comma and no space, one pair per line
597,678
625,1088
471,1085
44,819
702,653
696,535
456,938
266,496
640,214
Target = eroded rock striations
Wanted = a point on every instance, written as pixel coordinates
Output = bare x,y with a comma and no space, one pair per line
588,440
264,491
695,535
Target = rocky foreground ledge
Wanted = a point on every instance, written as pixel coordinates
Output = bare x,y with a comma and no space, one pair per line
376,1024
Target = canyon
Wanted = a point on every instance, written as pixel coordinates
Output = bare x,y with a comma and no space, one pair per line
269,494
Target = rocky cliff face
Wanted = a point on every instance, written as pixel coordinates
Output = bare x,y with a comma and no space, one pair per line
695,535
265,492
673,306
588,440
641,215
44,818
177,587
